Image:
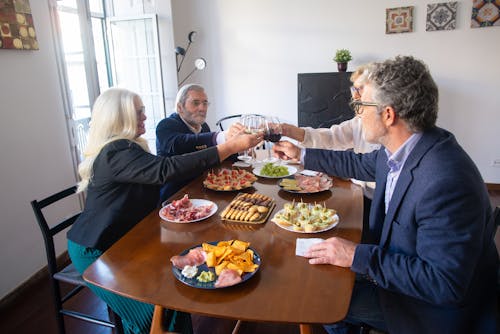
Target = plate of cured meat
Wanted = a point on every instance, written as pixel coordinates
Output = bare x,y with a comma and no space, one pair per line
215,265
229,179
186,210
306,184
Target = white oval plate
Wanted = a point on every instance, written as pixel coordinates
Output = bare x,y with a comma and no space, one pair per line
290,228
291,171
196,203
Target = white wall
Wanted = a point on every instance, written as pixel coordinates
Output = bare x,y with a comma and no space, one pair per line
254,50
34,149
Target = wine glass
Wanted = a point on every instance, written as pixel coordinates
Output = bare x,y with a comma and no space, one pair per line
245,121
255,124
272,134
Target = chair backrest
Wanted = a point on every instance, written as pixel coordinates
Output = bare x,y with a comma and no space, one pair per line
68,274
49,231
229,119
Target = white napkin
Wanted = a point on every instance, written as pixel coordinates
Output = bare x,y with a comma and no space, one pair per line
303,244
308,172
241,164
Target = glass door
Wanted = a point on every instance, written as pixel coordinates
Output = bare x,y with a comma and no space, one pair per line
82,48
135,59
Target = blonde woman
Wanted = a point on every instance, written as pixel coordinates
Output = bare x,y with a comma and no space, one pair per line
122,180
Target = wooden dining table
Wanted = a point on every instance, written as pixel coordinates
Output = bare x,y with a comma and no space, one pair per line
285,289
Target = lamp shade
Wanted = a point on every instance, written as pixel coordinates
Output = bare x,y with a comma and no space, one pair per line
192,36
180,51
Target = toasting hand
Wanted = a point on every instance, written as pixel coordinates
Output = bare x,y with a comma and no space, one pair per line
234,130
286,151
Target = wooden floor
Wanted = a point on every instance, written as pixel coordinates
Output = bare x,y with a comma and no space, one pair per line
32,312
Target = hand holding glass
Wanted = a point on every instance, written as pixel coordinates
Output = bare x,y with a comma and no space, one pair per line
272,134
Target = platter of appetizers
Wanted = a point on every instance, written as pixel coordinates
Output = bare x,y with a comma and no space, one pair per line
229,179
215,265
186,210
306,217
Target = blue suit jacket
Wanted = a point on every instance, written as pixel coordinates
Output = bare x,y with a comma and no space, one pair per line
173,137
432,255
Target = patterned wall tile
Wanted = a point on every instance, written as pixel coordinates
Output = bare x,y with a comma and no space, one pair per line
441,16
17,30
399,20
485,13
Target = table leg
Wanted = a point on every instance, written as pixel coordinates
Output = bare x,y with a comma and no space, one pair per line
305,329
156,324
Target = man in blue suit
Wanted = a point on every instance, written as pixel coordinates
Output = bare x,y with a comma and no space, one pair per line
430,263
186,131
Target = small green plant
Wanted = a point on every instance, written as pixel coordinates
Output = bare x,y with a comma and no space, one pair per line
342,56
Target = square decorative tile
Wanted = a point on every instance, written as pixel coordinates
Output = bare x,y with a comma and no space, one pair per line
17,30
399,20
485,13
441,16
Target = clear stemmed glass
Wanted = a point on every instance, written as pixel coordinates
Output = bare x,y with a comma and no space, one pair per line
245,121
255,124
272,134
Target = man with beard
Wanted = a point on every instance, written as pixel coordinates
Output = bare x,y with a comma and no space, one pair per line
429,263
186,131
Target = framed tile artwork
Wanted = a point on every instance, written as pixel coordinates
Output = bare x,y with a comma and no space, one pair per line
17,30
399,20
485,13
441,16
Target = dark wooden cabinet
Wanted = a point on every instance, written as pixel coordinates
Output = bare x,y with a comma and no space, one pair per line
323,99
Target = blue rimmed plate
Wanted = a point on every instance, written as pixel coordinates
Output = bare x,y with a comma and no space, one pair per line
193,282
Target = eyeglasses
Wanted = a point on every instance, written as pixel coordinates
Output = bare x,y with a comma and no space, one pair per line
356,106
197,103
141,110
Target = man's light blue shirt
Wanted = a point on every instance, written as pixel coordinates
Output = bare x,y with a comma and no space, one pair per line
395,162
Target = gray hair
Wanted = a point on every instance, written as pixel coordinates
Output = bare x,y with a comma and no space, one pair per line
405,84
361,72
183,93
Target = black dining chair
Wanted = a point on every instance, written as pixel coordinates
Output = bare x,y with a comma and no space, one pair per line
221,123
68,273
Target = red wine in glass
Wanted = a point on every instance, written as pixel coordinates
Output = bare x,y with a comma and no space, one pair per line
272,136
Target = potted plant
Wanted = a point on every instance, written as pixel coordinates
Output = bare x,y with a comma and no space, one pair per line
342,57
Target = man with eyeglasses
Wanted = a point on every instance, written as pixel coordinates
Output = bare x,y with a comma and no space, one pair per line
186,131
430,263
344,136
